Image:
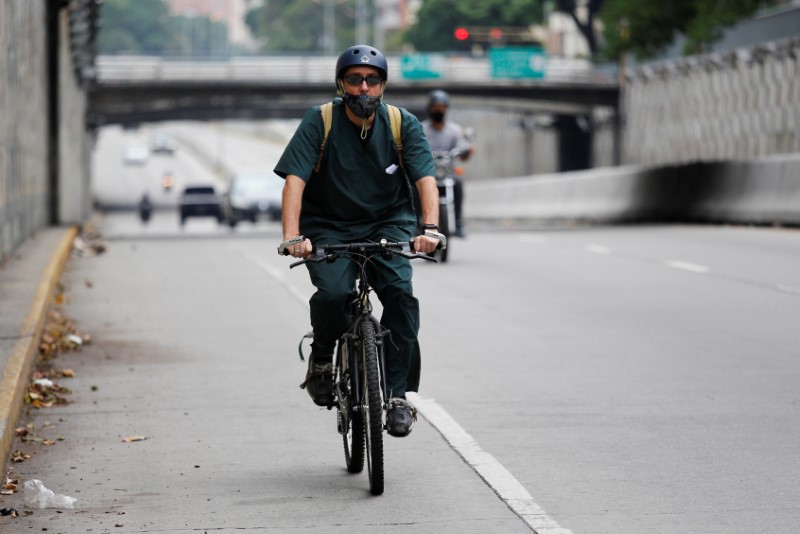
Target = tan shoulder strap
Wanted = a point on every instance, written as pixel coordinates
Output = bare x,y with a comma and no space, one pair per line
396,122
326,110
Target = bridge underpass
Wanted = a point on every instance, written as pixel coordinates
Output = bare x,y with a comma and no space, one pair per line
569,107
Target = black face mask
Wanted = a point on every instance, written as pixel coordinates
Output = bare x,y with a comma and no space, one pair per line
437,116
362,105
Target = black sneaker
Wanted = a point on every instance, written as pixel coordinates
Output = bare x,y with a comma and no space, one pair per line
400,417
319,381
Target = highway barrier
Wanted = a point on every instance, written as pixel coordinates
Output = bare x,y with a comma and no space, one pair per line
759,191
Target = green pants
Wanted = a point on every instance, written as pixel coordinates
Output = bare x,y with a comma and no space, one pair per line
391,280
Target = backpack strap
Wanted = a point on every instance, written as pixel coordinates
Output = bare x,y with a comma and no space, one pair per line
396,121
326,110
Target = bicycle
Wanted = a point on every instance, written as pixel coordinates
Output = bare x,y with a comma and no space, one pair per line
359,367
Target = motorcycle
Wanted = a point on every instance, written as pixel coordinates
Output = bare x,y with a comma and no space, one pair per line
446,171
167,182
145,209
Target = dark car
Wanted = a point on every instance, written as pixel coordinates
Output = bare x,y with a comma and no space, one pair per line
252,196
199,201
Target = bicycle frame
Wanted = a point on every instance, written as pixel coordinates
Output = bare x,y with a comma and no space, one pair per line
362,311
360,374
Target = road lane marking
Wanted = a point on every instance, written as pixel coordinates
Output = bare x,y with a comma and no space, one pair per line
686,266
788,289
598,249
497,477
277,274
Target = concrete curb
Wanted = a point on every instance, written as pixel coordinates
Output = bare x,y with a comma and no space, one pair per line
18,367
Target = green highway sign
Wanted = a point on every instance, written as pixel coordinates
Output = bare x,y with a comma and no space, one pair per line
422,66
517,62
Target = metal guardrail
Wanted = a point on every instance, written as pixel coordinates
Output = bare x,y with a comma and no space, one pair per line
304,69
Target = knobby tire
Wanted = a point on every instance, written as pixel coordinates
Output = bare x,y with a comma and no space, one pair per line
373,407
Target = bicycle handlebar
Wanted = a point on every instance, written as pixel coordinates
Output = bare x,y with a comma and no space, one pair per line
325,252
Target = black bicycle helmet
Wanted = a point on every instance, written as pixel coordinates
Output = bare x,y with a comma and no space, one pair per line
361,55
438,97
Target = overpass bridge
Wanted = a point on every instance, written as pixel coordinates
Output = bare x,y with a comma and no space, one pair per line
131,89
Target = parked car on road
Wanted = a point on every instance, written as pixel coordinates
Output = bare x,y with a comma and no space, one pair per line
199,201
252,195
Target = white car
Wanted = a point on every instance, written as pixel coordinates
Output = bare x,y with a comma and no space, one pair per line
135,155
252,195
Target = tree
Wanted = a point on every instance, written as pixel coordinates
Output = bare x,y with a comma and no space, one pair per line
133,26
438,19
645,28
146,27
587,27
296,25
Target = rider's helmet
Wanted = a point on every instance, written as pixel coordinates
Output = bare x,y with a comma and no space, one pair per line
438,97
361,55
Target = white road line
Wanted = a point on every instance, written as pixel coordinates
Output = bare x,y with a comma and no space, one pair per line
497,477
686,266
488,468
277,274
788,289
598,249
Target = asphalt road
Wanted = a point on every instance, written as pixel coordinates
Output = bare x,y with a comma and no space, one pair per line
638,379
585,380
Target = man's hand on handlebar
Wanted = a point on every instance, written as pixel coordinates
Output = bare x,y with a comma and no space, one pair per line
426,243
297,247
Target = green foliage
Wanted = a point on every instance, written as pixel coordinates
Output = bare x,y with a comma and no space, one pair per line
146,27
133,26
645,28
298,25
438,19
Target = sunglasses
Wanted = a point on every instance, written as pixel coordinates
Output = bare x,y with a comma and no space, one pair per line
356,79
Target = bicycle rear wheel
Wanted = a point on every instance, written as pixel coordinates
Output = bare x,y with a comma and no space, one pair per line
372,407
350,421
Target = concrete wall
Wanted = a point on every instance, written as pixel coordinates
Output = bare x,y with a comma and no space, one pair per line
44,145
24,145
508,143
758,191
74,142
739,104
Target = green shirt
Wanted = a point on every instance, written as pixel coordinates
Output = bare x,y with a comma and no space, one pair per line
360,189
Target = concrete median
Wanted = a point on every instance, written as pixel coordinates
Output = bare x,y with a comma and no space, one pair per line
761,191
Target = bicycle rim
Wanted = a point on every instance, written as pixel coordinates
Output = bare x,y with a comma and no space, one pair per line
372,407
350,421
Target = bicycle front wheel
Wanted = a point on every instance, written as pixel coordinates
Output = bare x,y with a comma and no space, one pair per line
372,407
350,419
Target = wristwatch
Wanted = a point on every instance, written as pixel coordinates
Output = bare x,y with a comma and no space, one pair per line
430,226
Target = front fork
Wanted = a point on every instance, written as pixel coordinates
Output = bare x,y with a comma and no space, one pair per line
352,364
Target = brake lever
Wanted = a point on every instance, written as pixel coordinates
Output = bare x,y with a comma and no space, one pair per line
414,255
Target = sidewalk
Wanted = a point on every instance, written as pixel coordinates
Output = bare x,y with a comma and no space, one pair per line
27,283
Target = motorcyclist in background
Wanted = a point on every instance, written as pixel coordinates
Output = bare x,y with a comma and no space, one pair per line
445,136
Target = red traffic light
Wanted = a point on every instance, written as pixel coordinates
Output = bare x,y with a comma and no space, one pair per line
462,34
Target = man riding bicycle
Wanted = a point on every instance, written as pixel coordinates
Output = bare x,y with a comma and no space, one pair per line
361,191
